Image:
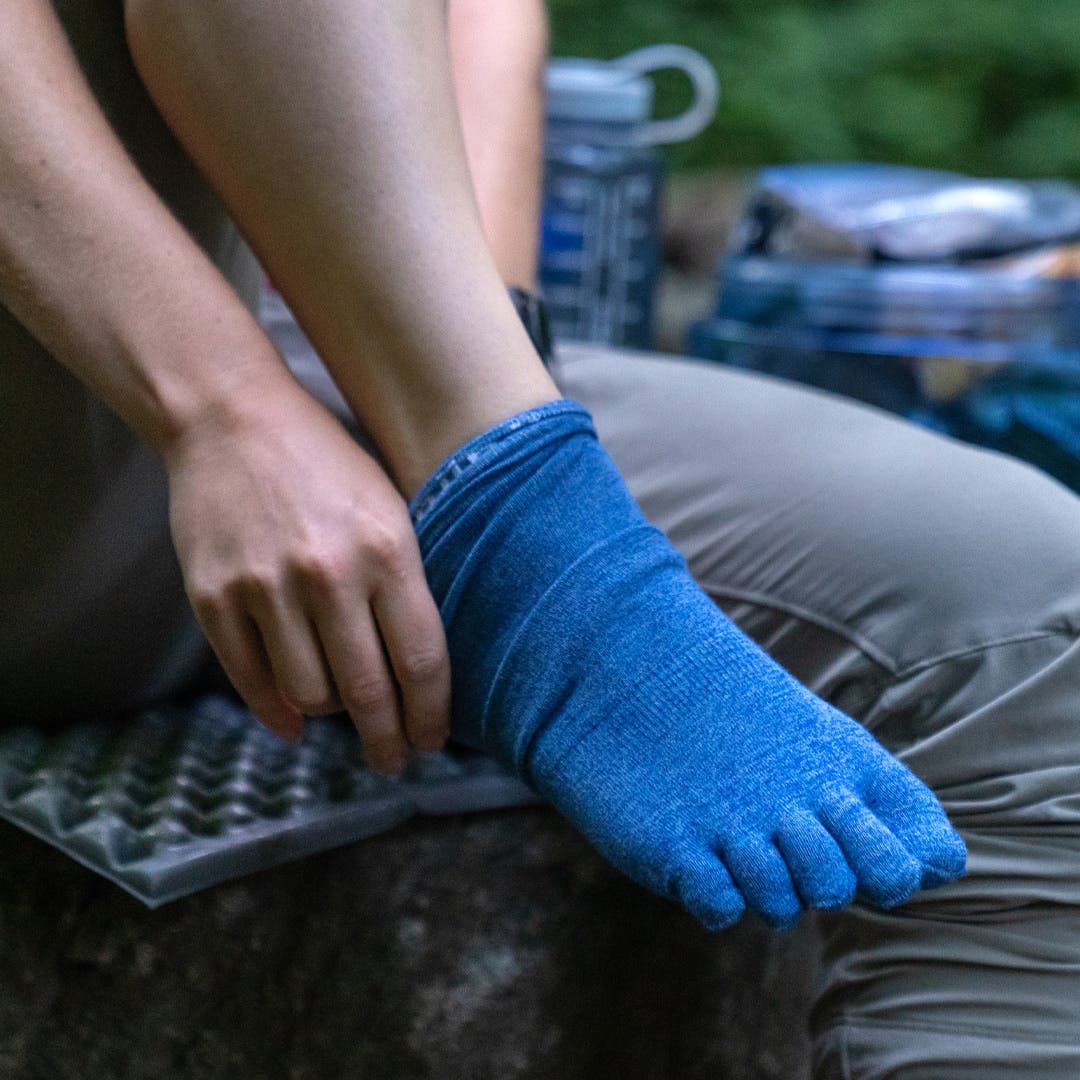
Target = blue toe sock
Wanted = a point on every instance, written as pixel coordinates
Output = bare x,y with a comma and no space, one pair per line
586,658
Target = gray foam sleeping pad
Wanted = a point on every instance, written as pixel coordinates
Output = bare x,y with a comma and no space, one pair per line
185,797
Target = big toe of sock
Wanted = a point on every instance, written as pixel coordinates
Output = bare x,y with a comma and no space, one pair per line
913,813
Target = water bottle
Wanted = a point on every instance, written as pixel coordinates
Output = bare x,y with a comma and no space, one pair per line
600,243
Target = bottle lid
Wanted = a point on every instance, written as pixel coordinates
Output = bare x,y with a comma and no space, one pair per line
596,91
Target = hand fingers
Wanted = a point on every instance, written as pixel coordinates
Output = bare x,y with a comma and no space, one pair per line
366,688
296,658
235,640
416,643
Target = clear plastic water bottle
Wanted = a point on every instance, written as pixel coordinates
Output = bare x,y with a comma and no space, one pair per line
600,246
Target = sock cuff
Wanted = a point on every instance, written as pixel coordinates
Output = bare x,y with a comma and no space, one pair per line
562,417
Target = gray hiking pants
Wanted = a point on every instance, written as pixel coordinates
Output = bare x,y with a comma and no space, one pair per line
932,591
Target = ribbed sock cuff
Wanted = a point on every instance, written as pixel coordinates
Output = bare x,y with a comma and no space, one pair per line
563,417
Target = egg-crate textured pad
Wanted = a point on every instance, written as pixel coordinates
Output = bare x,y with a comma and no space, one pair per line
182,798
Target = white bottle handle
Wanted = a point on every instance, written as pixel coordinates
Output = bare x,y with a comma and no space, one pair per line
700,73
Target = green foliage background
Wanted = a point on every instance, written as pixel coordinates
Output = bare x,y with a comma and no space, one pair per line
984,86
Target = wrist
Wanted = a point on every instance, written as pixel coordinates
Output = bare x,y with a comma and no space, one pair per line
209,389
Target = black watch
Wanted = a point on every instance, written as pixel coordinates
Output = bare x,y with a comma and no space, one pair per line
533,314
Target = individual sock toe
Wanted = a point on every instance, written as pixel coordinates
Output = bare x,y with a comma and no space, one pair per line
762,875
818,868
945,857
706,889
914,814
886,872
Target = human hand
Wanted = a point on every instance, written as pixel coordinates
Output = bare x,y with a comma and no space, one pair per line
301,565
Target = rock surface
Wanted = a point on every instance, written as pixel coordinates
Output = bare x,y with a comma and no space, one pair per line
493,946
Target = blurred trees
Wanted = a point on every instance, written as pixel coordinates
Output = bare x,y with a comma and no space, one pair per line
982,86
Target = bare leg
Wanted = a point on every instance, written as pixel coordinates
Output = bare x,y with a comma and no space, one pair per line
331,131
499,51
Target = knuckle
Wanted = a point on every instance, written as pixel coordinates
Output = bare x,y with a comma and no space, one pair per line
388,548
207,600
312,696
254,583
322,569
424,665
373,695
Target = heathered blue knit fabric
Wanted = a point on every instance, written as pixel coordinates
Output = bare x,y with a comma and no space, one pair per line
586,658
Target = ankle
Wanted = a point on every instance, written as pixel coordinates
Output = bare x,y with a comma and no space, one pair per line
428,429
